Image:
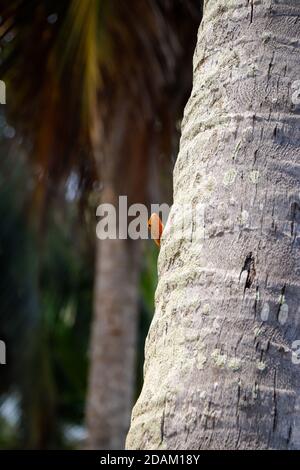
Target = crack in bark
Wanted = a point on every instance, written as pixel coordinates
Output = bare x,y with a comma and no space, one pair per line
275,403
251,11
256,301
249,266
281,301
269,70
295,213
289,434
162,424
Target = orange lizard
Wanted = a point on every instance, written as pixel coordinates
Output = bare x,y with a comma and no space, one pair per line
156,228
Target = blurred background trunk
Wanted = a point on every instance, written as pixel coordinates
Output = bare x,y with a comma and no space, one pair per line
113,343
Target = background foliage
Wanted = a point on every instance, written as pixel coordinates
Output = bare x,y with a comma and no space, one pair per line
63,62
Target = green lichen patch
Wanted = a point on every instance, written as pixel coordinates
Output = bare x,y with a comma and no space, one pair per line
234,364
219,358
260,365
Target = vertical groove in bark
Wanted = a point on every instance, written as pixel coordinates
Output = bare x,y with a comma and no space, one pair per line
218,368
113,341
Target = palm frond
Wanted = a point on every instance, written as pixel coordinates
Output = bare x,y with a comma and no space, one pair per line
67,75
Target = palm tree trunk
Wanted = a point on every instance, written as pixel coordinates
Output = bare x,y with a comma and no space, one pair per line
220,369
113,340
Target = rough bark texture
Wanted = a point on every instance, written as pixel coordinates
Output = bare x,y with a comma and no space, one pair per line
218,370
113,341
